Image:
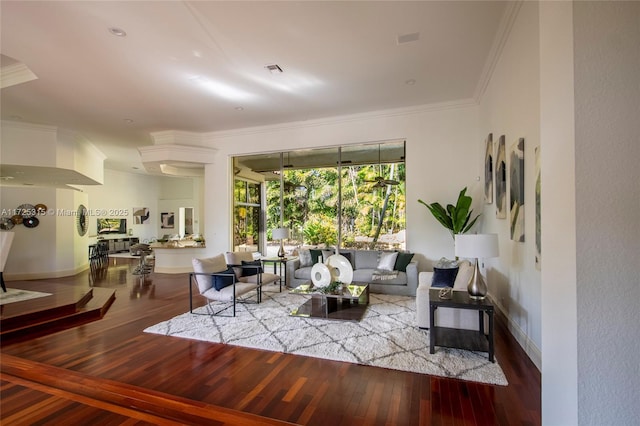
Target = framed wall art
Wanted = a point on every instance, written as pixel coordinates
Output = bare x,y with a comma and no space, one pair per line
488,169
141,215
516,190
167,220
501,180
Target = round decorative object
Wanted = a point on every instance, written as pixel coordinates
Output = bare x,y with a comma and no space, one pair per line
343,268
6,223
41,209
82,223
26,210
321,275
16,219
31,222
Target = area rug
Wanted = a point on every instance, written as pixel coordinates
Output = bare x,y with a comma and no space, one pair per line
18,295
386,336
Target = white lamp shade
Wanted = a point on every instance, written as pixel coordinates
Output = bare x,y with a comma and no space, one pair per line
280,233
476,245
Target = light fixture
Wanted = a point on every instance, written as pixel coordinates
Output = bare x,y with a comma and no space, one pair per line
476,246
280,234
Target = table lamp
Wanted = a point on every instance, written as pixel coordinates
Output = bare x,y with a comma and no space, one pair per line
476,246
280,234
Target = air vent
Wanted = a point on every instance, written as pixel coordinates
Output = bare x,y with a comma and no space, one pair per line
274,68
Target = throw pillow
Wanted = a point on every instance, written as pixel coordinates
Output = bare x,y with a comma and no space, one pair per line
222,281
444,277
402,261
315,254
305,258
387,260
326,254
348,256
465,272
255,268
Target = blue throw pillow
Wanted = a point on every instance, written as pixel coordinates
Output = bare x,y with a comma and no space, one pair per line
402,261
222,281
444,277
255,267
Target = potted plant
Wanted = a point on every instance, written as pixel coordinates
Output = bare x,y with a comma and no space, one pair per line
457,219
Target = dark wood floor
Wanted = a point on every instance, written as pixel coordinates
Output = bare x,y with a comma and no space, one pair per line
110,372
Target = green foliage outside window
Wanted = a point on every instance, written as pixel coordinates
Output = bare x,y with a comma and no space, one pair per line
310,202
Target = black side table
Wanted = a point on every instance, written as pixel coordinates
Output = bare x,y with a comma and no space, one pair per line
456,338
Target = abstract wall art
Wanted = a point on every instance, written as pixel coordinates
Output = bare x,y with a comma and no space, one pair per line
501,180
516,190
488,169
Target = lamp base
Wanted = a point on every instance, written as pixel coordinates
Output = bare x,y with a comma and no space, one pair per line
477,288
281,251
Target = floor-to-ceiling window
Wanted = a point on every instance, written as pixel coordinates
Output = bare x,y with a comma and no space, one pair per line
351,196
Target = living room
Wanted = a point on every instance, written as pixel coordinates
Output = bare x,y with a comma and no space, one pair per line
527,92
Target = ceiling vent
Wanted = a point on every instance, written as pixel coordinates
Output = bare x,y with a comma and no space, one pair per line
274,68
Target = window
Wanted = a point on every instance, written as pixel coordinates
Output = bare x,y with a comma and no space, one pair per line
353,196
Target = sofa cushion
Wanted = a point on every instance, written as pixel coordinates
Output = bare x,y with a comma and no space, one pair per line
444,277
303,273
402,261
365,276
387,260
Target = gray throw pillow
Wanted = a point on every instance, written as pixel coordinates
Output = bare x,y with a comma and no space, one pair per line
305,258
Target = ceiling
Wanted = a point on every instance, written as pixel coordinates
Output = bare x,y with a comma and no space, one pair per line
200,66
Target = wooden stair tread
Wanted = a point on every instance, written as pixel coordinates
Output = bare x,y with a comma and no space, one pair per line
50,320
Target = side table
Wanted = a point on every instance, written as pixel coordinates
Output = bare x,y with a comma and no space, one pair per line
462,339
278,261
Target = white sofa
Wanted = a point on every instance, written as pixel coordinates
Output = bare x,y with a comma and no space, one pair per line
466,319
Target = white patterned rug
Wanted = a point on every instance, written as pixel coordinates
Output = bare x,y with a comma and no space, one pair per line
386,337
18,295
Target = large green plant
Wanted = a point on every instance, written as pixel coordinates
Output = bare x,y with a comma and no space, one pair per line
457,219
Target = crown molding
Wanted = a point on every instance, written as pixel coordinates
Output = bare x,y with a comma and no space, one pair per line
17,73
380,114
29,126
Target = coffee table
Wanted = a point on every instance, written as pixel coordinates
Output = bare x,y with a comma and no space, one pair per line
349,304
462,339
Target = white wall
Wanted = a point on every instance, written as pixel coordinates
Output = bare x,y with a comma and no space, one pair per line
510,106
436,161
607,117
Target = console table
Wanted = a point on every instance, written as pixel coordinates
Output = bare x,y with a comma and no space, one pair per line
462,339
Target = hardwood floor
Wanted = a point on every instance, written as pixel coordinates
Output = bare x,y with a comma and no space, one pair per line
110,372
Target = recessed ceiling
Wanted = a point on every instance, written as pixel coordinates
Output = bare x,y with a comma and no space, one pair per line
199,66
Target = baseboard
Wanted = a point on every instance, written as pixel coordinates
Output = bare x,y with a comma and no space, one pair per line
532,351
45,275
